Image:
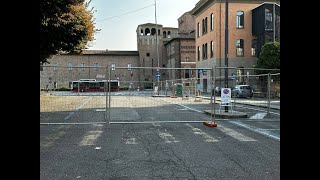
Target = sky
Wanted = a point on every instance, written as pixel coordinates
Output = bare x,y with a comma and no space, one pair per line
119,19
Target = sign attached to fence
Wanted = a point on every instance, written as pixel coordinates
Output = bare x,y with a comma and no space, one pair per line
225,95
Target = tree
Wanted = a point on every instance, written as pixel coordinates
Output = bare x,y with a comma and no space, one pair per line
65,26
269,57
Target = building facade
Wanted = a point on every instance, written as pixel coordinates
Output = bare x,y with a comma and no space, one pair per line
180,51
210,37
151,49
91,64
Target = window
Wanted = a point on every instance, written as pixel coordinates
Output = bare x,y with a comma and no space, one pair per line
96,66
211,22
268,23
203,56
164,34
240,19
148,54
211,49
239,47
169,34
253,47
204,51
82,66
198,53
113,67
202,26
187,59
206,25
129,67
70,67
198,29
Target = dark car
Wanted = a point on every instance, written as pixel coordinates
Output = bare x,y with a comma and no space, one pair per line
242,91
218,91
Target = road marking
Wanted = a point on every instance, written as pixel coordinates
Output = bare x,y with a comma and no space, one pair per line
71,113
51,139
257,109
130,141
156,124
183,106
100,109
207,138
168,138
235,134
90,138
258,116
261,129
255,130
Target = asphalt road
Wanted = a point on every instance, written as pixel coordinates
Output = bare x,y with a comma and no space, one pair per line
236,149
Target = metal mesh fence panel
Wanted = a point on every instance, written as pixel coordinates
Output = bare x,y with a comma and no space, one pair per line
152,95
72,95
251,86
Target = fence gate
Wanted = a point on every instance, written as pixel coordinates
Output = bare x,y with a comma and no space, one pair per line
154,95
73,95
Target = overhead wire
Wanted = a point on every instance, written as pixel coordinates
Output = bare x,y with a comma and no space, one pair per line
125,13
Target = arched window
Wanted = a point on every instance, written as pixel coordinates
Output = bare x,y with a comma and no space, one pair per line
169,34
153,31
147,31
240,19
141,33
164,34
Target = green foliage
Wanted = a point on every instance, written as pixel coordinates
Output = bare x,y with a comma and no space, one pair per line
65,25
269,57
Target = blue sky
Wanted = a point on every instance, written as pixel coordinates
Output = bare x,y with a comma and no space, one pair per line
118,20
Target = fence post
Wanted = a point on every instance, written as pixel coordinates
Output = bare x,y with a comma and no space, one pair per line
269,87
105,89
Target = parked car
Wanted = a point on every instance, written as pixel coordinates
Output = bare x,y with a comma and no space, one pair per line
218,91
242,91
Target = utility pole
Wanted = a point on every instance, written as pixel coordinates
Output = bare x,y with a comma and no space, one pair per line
226,51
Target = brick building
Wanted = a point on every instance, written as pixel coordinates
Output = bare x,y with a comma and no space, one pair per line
244,32
66,68
180,50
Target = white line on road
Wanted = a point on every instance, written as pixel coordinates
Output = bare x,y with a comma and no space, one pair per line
255,130
130,141
258,116
235,134
168,138
197,131
51,139
183,106
90,138
257,110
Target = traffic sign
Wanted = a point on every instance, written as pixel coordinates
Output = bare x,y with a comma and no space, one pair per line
158,75
233,76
